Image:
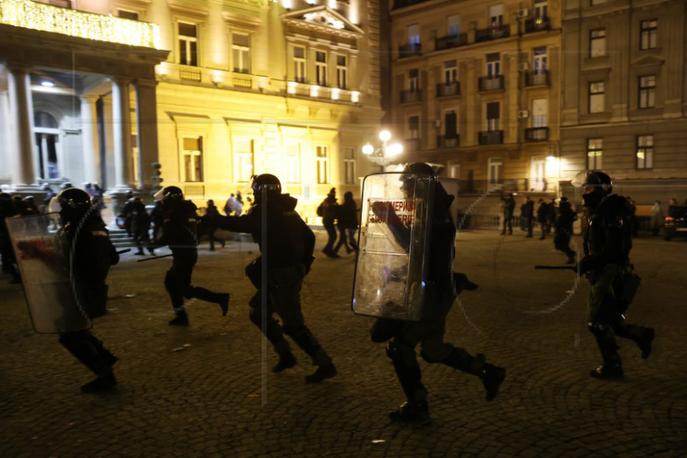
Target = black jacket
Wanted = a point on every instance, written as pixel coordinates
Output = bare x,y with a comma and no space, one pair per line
180,225
608,238
347,215
286,241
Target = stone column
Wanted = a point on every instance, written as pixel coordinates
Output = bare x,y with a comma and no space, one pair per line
21,112
89,138
217,55
158,12
146,107
121,124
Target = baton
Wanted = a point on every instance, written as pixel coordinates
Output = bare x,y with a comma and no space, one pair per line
155,257
573,268
124,251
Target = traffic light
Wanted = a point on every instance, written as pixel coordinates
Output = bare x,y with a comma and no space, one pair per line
156,179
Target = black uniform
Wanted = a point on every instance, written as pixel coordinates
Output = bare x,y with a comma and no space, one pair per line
179,232
140,224
403,336
94,254
508,209
607,245
328,210
7,210
527,213
564,229
287,244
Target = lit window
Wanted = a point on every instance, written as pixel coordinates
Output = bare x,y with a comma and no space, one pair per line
645,151
299,63
450,72
341,72
243,160
540,60
414,80
541,9
453,26
647,91
349,166
594,153
321,68
597,43
597,97
322,153
493,64
188,44
193,159
240,49
648,35
414,35
493,118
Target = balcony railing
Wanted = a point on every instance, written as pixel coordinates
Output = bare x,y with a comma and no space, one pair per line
538,24
409,96
446,141
491,137
492,33
448,89
537,78
451,41
536,134
409,49
491,83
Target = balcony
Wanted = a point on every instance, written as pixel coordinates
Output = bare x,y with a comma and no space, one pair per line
411,96
491,137
409,50
536,134
448,89
491,83
537,78
446,141
492,33
538,24
451,41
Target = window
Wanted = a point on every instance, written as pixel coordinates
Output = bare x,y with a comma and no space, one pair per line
594,153
321,68
193,158
493,64
243,160
647,91
541,9
299,64
453,170
341,72
645,151
322,152
597,43
450,72
494,166
496,15
240,51
540,60
597,97
349,166
451,124
188,44
453,26
648,35
413,127
540,113
293,151
414,35
493,116
414,80
126,14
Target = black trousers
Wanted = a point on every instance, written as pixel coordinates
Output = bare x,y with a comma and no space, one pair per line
178,280
346,238
88,350
331,235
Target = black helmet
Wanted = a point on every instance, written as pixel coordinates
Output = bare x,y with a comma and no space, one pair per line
74,204
599,180
168,192
419,168
266,180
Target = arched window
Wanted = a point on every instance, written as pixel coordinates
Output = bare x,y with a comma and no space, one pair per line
45,120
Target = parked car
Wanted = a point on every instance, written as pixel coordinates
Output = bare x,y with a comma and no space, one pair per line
675,222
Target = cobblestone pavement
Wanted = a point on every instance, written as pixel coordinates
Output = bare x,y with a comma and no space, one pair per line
206,400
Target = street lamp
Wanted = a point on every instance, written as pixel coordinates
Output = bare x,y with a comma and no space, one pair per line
384,154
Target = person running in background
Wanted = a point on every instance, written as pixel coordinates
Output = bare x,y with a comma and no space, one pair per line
328,210
347,223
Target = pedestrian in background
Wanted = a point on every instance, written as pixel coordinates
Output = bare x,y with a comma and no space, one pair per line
527,214
543,217
656,217
508,204
140,225
347,223
233,207
564,229
328,211
211,214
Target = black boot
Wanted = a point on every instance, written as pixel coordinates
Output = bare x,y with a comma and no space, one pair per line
607,372
221,299
416,413
322,373
492,378
104,382
181,319
605,340
286,361
644,343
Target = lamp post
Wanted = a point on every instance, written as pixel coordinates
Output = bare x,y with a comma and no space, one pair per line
384,154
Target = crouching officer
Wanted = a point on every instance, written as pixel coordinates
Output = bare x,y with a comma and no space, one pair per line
607,245
443,286
287,245
180,234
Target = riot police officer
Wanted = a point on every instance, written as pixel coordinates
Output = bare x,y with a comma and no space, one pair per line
90,255
607,245
180,234
564,229
442,289
287,245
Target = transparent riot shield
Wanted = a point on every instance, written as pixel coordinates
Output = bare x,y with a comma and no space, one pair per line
391,266
43,263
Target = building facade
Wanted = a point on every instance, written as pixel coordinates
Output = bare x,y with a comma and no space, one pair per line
246,87
624,99
476,90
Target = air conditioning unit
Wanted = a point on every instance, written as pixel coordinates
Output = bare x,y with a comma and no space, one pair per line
523,66
523,13
523,114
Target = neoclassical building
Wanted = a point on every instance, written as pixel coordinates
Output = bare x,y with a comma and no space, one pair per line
215,91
